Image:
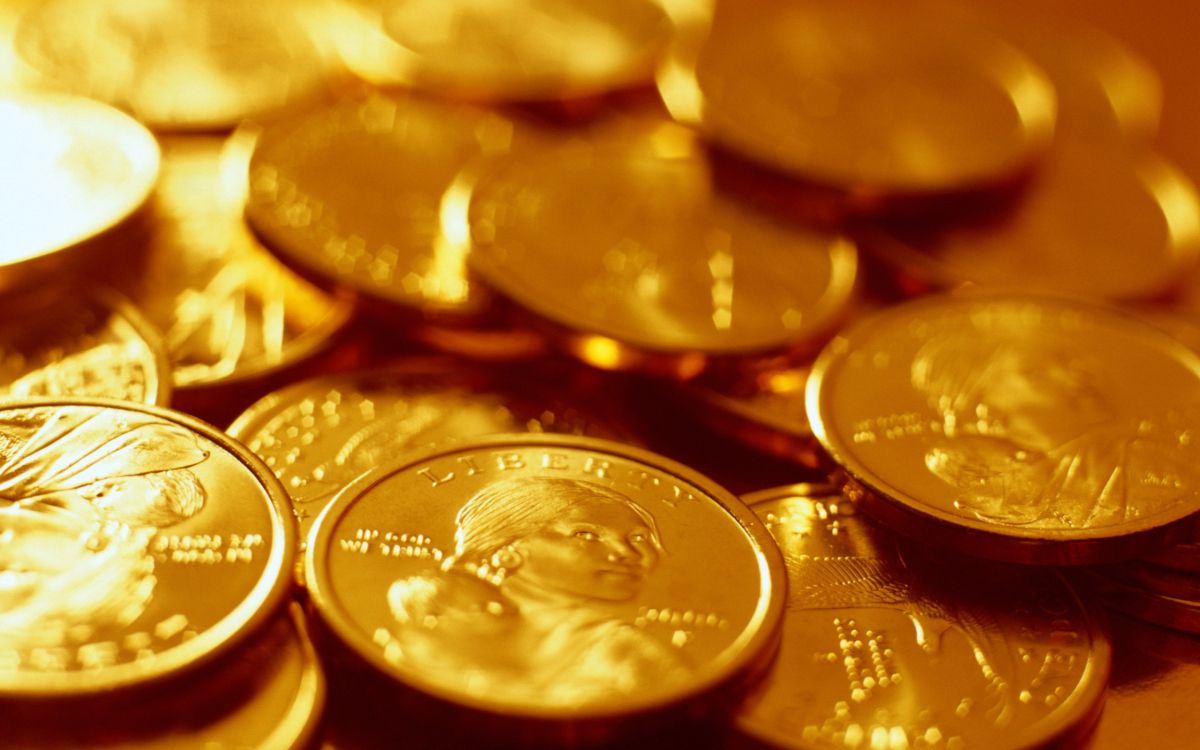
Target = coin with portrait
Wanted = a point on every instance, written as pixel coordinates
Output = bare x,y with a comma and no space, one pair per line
1022,428
558,578
116,524
885,645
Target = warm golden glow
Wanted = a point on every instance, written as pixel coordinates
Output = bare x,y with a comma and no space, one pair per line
69,168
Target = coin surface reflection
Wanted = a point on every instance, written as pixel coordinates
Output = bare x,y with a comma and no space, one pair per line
884,648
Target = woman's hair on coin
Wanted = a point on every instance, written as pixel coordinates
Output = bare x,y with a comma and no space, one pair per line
961,372
507,511
159,499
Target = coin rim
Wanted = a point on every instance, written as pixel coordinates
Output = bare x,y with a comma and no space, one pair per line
757,636
925,521
249,615
1084,705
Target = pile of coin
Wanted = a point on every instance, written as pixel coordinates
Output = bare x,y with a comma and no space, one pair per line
592,373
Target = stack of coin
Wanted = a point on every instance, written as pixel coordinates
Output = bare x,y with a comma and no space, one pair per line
596,374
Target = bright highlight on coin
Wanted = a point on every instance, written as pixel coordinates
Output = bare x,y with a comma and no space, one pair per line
70,168
547,577
134,543
886,648
1019,428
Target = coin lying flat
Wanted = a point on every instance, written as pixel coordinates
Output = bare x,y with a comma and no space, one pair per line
134,543
355,193
559,578
1155,579
1173,612
883,647
93,344
176,65
526,51
319,435
228,310
877,101
625,244
1184,556
1095,222
1020,428
70,168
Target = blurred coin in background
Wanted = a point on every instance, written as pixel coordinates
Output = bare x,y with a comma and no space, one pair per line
176,64
623,243
875,100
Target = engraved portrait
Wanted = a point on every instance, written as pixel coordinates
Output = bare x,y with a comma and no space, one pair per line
1028,434
528,604
82,493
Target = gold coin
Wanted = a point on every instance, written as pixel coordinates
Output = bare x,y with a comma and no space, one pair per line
1096,222
626,246
195,65
547,577
80,343
227,309
135,542
1020,428
356,193
72,169
878,101
319,435
886,648
526,51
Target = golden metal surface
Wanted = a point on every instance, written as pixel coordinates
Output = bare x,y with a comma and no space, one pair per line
1184,556
1156,579
319,435
227,309
135,542
1095,222
176,64
888,649
355,193
559,578
1021,428
283,708
873,99
624,242
1153,691
1172,612
70,169
532,50
83,343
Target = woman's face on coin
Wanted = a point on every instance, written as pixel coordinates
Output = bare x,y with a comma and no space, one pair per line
599,550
